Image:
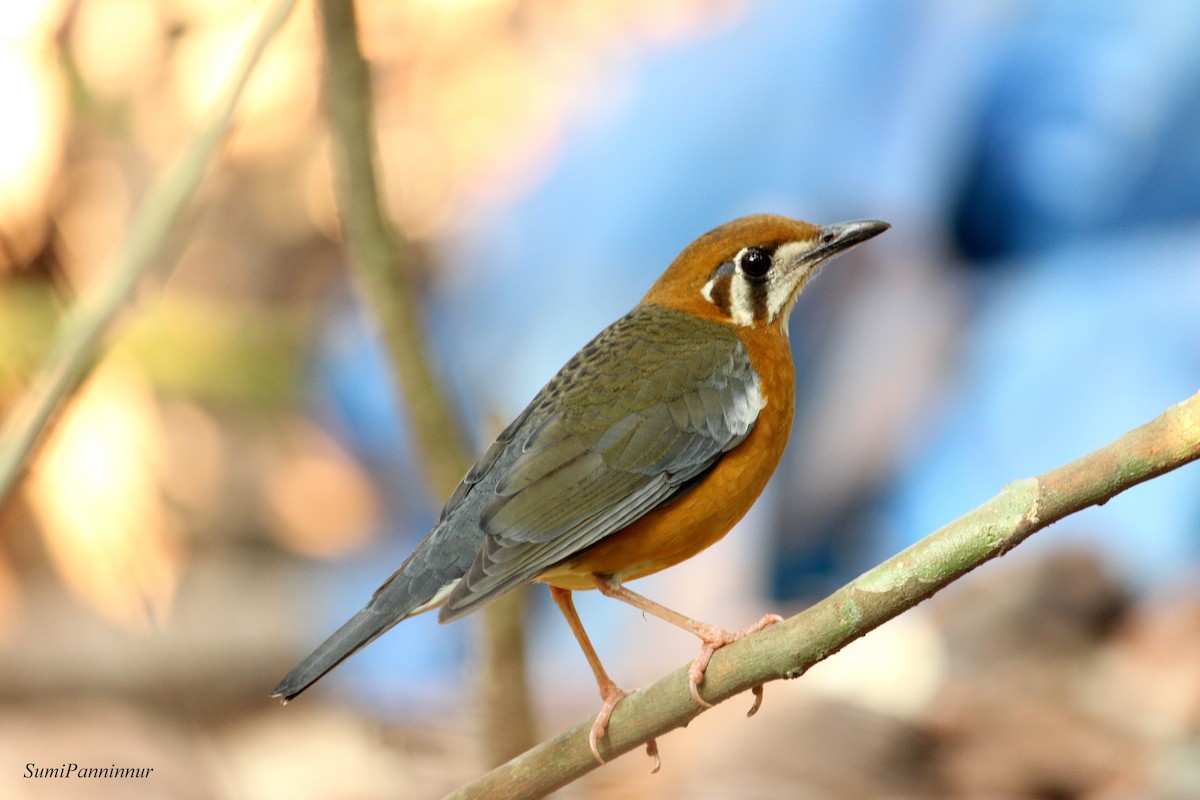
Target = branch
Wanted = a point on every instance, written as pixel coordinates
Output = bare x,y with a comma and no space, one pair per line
789,648
86,325
386,278
382,260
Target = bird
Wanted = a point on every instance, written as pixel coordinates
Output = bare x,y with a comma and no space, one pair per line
646,448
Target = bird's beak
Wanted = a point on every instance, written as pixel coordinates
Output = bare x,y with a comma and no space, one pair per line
832,241
800,264
842,236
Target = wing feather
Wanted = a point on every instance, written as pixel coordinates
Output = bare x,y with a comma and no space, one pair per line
595,453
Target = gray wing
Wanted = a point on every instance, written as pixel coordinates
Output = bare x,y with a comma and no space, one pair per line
597,453
587,457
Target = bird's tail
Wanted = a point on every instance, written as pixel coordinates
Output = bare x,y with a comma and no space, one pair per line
421,583
359,631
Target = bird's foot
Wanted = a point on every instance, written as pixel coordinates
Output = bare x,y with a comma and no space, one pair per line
714,639
612,694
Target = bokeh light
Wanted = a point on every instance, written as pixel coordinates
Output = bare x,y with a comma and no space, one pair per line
31,91
95,491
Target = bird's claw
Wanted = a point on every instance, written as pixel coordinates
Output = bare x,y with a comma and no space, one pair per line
758,696
714,641
592,737
696,673
612,695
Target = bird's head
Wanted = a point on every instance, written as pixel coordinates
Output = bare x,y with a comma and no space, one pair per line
751,270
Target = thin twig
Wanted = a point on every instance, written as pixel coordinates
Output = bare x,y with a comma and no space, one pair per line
87,324
787,649
381,258
383,265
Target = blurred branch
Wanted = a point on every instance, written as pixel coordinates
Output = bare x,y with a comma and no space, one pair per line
85,327
203,350
386,278
383,261
789,648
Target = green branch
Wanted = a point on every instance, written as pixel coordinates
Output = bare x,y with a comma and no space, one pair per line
85,327
788,649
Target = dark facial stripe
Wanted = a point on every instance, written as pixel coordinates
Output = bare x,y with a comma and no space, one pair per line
759,294
721,297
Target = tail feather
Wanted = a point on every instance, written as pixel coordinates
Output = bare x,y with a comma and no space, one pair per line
394,602
422,582
361,629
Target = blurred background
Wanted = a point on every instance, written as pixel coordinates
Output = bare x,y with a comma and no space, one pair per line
236,477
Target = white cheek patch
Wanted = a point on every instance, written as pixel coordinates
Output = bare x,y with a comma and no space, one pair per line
782,294
730,293
746,301
741,301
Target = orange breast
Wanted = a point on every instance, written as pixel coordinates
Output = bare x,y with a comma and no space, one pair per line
681,528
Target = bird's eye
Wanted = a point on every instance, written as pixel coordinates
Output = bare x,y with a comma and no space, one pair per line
755,263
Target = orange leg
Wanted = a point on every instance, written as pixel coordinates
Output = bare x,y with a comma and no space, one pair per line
713,638
610,693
